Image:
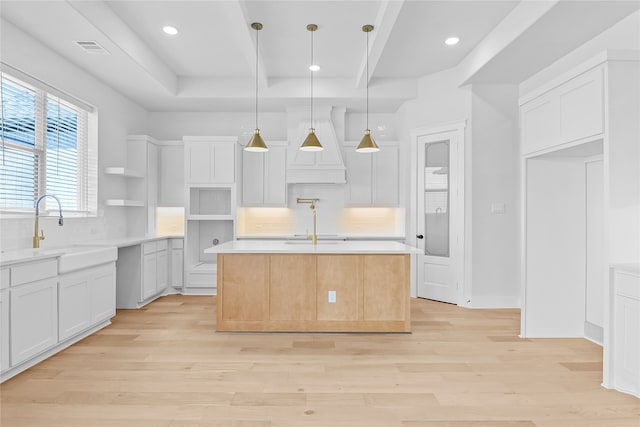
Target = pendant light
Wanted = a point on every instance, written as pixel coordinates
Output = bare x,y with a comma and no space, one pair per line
256,143
311,143
367,144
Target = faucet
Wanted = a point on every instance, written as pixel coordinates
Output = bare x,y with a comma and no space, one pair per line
36,238
314,237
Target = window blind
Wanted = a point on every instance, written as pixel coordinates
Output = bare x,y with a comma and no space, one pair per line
45,150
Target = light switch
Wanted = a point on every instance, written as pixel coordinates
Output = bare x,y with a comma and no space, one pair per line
332,296
497,208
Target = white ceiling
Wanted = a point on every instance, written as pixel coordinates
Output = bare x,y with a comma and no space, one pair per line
210,65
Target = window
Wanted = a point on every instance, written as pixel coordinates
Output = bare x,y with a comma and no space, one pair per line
45,149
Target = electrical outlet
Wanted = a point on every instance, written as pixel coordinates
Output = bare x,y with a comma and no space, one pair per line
332,296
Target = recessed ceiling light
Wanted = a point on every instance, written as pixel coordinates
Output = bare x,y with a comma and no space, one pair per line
314,67
452,40
168,29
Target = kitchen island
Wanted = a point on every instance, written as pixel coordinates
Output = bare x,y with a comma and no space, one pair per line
295,286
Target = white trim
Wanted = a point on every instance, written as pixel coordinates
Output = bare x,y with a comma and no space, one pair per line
496,302
453,129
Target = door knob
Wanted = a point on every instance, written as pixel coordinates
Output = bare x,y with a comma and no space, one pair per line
419,236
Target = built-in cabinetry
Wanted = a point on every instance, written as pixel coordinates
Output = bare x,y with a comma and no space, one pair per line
581,194
210,191
177,262
142,273
622,361
264,176
373,179
140,186
171,181
42,312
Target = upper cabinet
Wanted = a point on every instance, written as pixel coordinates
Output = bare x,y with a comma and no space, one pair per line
171,165
264,176
563,112
373,179
209,160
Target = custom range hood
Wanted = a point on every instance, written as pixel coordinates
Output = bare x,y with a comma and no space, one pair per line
321,167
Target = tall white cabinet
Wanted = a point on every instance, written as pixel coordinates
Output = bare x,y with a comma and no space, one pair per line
372,178
210,191
580,185
264,180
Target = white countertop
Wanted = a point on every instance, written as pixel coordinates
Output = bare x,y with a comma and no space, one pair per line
122,242
306,247
21,255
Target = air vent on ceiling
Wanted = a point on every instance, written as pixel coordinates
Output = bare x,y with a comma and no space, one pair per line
93,48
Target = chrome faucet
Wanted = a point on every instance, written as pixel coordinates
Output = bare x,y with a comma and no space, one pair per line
36,238
314,237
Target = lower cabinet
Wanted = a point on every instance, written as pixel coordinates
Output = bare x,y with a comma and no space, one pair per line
4,329
627,332
34,319
86,298
142,273
177,262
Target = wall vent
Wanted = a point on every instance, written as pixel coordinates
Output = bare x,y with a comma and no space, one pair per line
92,47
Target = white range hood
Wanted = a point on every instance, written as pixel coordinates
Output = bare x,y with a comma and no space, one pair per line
322,167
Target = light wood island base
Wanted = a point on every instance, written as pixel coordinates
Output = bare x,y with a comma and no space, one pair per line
262,292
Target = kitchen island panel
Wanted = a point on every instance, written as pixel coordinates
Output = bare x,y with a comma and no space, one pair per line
341,274
385,290
244,281
292,286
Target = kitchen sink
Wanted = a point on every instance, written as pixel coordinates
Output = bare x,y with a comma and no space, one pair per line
79,257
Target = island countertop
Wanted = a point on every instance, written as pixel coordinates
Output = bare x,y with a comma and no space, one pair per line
307,247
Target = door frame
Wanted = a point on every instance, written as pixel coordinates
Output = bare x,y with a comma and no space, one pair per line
458,251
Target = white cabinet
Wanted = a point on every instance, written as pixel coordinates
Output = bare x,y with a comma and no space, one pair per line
171,171
264,176
177,264
34,319
373,179
141,273
162,267
563,112
86,298
4,330
149,274
626,330
209,160
154,268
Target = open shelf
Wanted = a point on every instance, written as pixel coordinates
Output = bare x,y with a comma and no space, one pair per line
124,202
124,172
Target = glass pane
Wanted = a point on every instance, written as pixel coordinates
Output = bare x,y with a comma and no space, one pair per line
62,154
436,199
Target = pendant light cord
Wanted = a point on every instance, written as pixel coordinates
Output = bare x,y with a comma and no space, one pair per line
367,77
257,37
311,100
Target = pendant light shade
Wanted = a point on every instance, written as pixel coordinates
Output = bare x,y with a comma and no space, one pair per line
367,144
256,143
311,142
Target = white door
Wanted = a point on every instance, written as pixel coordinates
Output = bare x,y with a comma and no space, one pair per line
439,216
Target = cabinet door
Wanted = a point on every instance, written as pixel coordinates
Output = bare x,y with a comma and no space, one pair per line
275,176
386,177
582,106
74,303
359,185
198,163
223,162
540,123
171,172
152,187
34,319
162,270
4,330
103,293
149,275
176,268
253,178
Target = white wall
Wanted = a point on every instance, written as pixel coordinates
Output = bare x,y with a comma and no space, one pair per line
117,117
495,180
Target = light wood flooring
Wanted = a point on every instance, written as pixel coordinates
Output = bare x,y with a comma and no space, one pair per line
164,365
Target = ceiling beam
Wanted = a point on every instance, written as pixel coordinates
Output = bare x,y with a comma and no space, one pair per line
247,40
105,20
386,19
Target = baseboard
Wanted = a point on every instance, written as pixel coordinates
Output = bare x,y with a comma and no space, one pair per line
594,333
494,302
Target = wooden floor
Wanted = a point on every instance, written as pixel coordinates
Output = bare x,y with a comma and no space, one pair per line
165,366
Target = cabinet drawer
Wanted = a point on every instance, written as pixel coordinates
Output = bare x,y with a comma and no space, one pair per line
627,285
33,271
201,279
161,245
149,248
4,278
177,243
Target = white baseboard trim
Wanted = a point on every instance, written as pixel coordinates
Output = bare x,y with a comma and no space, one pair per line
494,302
594,333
